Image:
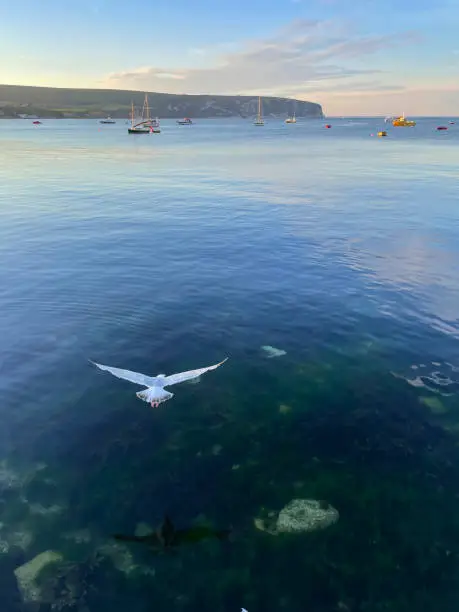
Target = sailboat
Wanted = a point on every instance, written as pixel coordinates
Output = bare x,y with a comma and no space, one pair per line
292,118
145,124
259,119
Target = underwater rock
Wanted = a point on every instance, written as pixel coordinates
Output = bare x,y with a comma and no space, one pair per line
54,509
301,515
26,574
16,479
70,585
122,559
143,529
9,479
265,525
298,516
19,538
434,404
81,536
272,351
119,555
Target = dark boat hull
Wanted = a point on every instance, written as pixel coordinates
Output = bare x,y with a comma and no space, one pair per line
143,131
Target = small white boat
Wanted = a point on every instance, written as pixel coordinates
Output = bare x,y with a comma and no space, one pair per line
259,119
185,121
291,119
107,119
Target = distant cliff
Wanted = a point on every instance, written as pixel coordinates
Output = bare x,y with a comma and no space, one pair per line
56,102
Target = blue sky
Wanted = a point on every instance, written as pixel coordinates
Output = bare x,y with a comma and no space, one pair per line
352,56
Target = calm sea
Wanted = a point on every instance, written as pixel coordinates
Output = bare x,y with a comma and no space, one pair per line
162,253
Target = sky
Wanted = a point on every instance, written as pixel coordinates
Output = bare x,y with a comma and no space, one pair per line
355,57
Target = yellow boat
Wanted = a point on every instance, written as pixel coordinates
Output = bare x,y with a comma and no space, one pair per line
402,122
383,133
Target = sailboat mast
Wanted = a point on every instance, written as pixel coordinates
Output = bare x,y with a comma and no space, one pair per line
259,107
132,113
147,108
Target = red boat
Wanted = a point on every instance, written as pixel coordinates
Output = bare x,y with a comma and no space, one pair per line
328,125
37,122
442,127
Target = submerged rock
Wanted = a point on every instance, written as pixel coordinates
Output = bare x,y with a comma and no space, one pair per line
298,516
272,351
53,509
80,536
11,478
70,585
27,574
143,529
19,536
434,404
284,409
119,555
302,515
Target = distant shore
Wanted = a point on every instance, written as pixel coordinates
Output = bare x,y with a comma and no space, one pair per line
64,103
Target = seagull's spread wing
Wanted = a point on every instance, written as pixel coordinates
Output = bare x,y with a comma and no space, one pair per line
173,379
134,377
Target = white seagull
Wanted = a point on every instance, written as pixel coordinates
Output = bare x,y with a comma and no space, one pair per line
155,393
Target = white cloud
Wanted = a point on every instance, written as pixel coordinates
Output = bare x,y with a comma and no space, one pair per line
169,75
302,54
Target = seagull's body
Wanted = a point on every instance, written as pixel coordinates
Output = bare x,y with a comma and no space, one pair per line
155,392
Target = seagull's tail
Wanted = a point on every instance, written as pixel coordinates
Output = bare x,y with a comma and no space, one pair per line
154,394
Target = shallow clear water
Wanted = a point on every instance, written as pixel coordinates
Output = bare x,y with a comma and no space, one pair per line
166,252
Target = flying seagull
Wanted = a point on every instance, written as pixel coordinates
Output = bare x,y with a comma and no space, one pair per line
155,392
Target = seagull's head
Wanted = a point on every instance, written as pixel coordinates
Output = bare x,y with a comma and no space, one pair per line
154,396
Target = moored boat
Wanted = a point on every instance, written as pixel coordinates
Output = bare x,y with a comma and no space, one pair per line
144,125
107,119
184,121
291,118
403,122
259,119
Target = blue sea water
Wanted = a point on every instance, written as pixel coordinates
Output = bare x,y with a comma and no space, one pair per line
161,253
